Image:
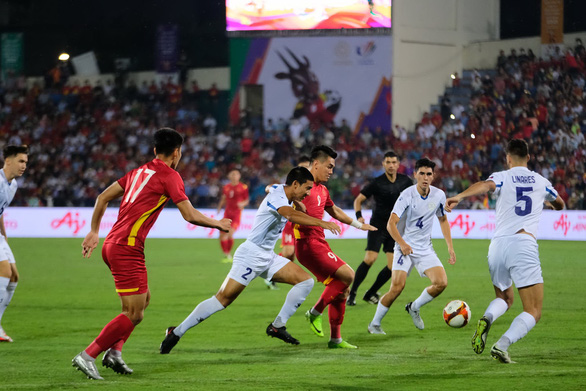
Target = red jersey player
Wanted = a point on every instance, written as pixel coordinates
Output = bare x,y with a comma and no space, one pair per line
315,254
144,191
288,236
235,197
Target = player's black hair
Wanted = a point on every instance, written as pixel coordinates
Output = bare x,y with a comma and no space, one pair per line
299,174
303,159
13,150
390,154
322,152
167,140
424,162
518,147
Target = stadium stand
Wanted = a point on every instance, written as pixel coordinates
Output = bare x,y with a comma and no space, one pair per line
83,137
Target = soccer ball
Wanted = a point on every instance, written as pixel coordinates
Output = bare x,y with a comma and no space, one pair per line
457,313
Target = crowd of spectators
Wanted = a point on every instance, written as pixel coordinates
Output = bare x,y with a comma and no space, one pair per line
541,101
84,137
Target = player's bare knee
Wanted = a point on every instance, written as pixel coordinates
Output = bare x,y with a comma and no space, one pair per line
397,288
135,315
225,299
440,286
347,277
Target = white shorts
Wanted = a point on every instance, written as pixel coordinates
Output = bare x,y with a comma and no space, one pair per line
514,258
5,251
251,261
422,260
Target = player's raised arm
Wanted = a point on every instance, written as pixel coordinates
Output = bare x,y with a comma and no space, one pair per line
298,217
358,207
195,217
338,214
446,231
557,204
478,188
92,238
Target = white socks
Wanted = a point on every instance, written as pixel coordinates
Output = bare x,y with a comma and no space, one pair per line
381,311
422,300
495,309
295,298
203,311
521,325
5,294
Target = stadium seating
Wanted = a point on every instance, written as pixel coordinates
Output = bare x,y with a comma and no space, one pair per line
82,140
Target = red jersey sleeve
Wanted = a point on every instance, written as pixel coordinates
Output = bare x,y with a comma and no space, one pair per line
329,203
124,180
244,193
175,188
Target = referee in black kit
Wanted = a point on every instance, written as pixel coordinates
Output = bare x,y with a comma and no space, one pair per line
385,189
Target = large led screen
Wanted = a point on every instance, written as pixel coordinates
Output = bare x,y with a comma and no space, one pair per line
254,15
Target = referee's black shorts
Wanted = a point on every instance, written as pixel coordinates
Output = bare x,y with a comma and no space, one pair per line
377,238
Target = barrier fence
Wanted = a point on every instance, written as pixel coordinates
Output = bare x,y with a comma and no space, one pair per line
75,222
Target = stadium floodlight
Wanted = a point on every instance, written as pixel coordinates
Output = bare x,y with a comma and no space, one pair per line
63,57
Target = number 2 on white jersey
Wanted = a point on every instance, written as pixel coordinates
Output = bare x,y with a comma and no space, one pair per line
149,173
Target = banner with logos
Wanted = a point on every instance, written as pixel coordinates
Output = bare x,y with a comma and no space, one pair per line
320,79
11,55
75,223
552,26
167,48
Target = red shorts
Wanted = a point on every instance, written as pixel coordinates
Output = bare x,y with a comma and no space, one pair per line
317,256
128,268
288,238
234,215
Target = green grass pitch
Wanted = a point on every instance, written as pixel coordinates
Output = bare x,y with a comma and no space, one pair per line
63,301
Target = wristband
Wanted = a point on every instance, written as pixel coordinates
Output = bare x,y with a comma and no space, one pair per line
356,224
359,214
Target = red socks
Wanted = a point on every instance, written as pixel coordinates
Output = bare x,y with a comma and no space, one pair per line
332,291
336,312
116,332
227,245
118,345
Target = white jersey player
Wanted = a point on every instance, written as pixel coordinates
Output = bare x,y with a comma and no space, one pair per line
15,160
410,226
255,257
513,256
